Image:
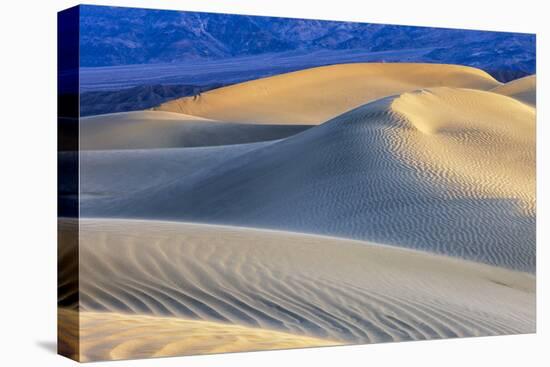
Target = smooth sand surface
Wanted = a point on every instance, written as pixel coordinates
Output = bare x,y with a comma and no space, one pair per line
308,286
159,129
112,336
523,89
446,170
109,176
312,96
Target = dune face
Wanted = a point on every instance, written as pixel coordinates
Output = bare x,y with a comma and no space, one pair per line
460,132
315,95
411,171
523,89
157,129
276,285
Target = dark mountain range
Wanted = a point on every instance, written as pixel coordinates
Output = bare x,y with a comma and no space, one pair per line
122,36
134,59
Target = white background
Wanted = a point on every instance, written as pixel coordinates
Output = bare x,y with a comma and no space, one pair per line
28,182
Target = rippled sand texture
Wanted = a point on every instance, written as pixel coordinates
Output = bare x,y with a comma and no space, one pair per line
355,203
112,336
322,290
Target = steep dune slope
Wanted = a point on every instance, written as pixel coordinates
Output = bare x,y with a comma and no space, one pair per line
308,286
445,170
158,129
315,95
523,89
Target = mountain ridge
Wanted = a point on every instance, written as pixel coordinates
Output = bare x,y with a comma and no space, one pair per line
108,39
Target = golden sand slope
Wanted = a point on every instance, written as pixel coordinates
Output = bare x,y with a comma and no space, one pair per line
322,287
312,96
160,129
111,336
460,132
523,89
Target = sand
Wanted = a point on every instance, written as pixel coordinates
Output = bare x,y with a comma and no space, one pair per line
446,170
110,176
356,203
460,133
318,289
113,336
158,129
312,96
523,89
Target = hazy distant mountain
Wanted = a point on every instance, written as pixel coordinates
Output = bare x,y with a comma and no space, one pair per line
120,36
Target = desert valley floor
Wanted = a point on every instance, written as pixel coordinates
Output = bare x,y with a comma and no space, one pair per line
351,203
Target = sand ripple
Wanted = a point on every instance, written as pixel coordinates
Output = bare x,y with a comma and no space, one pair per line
112,336
321,287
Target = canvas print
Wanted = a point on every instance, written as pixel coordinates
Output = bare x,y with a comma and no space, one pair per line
233,183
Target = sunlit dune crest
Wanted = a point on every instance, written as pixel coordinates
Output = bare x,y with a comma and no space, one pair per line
312,96
482,141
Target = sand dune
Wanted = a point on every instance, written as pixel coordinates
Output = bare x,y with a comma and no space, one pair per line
523,89
312,96
112,336
158,129
308,286
447,170
355,203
